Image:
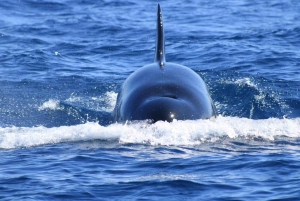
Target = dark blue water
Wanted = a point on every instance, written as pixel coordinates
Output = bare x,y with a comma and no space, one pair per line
62,63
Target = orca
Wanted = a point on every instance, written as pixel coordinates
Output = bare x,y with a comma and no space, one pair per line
163,91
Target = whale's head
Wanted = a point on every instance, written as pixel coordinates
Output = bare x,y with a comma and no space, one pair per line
163,90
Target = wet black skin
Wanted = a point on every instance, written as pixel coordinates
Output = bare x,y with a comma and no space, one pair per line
163,91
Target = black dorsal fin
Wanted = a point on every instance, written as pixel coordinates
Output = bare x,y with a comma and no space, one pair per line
160,39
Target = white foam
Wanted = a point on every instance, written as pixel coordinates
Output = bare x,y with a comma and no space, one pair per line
160,133
245,82
51,104
74,99
109,99
26,137
105,102
242,82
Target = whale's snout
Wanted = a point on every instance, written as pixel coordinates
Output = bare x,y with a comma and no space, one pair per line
165,108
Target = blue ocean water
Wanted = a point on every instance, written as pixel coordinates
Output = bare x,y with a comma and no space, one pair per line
62,63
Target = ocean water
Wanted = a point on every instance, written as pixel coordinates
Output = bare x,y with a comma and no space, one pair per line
62,63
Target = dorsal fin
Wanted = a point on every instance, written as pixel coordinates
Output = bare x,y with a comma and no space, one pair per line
160,39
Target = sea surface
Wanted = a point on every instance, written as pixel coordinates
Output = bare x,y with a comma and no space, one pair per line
62,63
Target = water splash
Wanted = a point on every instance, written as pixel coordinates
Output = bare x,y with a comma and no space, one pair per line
51,104
105,102
177,133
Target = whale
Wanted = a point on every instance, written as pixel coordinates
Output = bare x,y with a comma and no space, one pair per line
163,91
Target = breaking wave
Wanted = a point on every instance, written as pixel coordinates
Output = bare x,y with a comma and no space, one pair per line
176,133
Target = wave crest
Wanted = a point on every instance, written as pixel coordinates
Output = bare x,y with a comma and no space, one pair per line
161,133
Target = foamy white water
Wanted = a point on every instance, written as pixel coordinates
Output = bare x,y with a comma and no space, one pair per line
160,133
105,102
51,104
